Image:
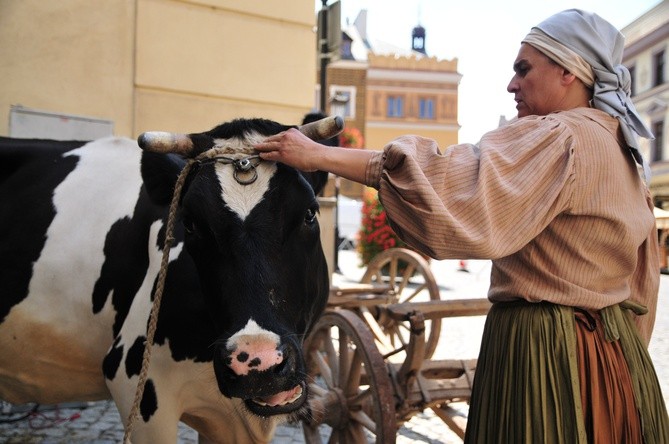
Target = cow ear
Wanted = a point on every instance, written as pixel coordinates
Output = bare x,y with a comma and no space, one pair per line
160,173
317,180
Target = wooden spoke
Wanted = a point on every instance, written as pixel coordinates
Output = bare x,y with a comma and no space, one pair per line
411,280
359,406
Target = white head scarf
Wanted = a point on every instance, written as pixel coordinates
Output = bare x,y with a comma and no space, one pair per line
572,36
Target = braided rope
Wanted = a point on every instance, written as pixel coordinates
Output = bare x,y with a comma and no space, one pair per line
158,295
157,298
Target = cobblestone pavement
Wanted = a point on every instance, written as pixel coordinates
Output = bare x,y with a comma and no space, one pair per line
99,422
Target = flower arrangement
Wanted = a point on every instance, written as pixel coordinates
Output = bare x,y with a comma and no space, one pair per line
375,234
351,138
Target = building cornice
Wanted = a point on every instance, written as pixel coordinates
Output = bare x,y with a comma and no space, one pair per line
412,63
413,126
414,76
646,42
348,64
643,97
437,89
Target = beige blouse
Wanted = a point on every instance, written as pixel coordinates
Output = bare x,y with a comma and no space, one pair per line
555,201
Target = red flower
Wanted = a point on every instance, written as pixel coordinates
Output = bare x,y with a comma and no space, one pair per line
351,138
375,234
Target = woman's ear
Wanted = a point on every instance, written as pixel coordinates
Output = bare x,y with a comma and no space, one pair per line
567,77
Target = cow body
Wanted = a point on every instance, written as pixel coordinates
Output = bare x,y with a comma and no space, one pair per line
83,232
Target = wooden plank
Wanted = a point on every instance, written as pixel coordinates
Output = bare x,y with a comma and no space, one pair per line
441,308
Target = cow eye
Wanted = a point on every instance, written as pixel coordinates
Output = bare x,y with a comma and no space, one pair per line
310,217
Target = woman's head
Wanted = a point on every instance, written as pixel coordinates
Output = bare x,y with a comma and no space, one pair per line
591,49
587,48
541,86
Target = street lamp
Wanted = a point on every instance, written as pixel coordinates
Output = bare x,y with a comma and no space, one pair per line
324,52
329,40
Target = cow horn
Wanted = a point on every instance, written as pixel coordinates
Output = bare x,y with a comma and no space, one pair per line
162,142
323,129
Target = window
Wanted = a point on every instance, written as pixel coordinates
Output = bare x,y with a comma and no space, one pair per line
346,47
426,108
395,106
658,68
632,71
346,53
657,145
342,101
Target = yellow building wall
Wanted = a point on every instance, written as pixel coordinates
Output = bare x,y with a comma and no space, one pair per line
68,56
411,78
198,66
175,65
377,138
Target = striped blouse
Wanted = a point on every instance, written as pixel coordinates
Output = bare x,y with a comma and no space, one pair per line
555,201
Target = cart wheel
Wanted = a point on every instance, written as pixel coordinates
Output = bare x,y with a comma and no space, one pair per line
351,395
411,279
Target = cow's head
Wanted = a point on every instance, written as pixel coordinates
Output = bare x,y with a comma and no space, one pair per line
251,229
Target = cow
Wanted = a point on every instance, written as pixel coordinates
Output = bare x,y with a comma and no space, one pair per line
83,229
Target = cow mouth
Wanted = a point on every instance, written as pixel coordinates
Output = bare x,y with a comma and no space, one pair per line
280,403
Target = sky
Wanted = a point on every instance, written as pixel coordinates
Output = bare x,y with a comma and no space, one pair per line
484,35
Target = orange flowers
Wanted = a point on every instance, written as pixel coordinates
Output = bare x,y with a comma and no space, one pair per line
351,138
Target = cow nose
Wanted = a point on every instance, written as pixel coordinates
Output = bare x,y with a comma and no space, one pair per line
251,354
255,364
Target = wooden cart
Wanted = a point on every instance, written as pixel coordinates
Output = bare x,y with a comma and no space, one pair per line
370,355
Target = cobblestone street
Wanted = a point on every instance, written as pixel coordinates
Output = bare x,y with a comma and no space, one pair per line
99,422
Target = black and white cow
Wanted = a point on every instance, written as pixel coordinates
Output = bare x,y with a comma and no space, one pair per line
82,229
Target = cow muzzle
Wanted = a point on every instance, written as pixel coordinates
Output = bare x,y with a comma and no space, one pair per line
266,373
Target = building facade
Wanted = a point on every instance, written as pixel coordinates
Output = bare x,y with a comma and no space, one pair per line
411,95
645,55
177,65
386,91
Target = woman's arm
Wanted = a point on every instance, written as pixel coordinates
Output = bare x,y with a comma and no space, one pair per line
293,148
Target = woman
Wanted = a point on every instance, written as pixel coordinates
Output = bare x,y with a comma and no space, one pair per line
557,200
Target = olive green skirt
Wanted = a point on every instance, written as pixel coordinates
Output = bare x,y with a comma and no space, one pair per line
527,386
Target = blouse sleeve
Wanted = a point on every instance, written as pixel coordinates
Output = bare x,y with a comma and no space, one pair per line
645,281
476,201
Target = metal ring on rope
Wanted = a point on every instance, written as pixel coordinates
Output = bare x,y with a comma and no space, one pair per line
243,165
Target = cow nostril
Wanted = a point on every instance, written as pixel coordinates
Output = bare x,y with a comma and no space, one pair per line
286,366
279,368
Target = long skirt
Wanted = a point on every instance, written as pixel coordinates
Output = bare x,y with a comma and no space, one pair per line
553,374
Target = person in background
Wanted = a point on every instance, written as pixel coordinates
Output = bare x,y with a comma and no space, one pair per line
558,201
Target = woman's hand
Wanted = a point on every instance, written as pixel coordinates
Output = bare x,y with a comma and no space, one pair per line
292,148
297,150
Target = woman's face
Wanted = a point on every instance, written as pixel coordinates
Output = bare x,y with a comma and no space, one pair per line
537,83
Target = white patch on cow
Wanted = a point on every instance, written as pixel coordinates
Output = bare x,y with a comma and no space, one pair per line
101,190
252,330
187,387
88,202
240,198
253,349
140,310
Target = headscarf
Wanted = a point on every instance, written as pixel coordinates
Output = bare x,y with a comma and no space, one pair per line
572,37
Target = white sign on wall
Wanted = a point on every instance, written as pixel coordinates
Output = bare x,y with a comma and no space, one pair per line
25,123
